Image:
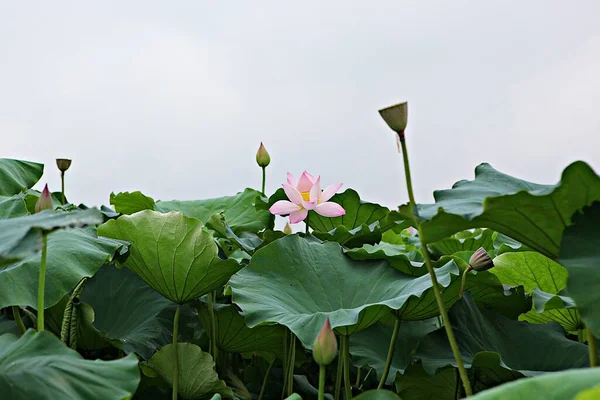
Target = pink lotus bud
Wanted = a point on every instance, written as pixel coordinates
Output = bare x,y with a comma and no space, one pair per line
262,156
63,164
325,347
45,201
287,229
396,117
480,260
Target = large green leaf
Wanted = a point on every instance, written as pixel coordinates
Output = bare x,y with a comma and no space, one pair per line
127,309
39,366
22,237
72,255
197,376
549,307
13,206
535,215
299,282
533,270
521,346
239,210
580,254
17,176
554,386
416,384
173,253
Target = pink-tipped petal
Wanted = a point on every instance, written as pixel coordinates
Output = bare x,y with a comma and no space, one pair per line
292,194
309,205
305,183
330,209
315,191
292,180
329,192
298,216
284,207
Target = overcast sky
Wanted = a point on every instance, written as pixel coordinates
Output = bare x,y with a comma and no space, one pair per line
173,98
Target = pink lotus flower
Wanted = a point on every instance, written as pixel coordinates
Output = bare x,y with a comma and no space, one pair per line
304,195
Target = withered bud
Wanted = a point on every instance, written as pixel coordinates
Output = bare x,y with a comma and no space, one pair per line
325,346
45,201
63,164
262,156
396,117
480,260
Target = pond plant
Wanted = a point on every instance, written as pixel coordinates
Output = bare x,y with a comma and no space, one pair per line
205,299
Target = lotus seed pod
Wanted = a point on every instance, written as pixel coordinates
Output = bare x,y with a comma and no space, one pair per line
45,201
63,164
396,117
325,346
480,260
262,156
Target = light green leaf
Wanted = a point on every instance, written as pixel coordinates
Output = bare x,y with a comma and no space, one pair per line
39,366
13,206
535,215
17,176
172,253
197,376
549,307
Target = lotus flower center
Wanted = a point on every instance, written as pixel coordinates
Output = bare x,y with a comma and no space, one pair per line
305,196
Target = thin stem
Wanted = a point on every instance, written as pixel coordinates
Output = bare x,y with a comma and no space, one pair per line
266,379
366,377
286,356
436,288
346,361
176,352
439,320
580,335
62,181
463,282
592,348
292,362
322,382
358,376
390,355
338,378
213,325
18,320
264,180
42,282
306,222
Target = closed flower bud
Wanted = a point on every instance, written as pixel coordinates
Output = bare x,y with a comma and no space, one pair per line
45,201
63,164
287,229
262,156
396,117
480,260
325,347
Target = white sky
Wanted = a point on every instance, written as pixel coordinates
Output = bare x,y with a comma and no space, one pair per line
173,98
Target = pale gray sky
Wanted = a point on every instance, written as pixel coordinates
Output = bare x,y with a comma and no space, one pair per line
173,98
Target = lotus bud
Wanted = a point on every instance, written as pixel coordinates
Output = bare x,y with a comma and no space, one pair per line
325,346
287,229
262,156
396,117
63,164
45,201
480,260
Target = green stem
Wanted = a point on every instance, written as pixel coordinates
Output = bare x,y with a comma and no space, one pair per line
42,282
439,320
346,360
264,179
213,325
265,380
292,362
580,335
338,378
322,382
286,356
592,348
62,181
358,376
366,377
463,282
306,222
436,289
18,320
176,352
390,355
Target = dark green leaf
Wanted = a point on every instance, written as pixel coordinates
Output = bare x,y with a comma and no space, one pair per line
17,176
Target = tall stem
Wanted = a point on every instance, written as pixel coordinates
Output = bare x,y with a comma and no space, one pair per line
345,339
306,222
18,320
436,289
358,376
338,377
321,382
286,356
42,282
264,179
62,182
580,335
292,362
390,355
592,348
213,325
266,379
176,352
463,282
